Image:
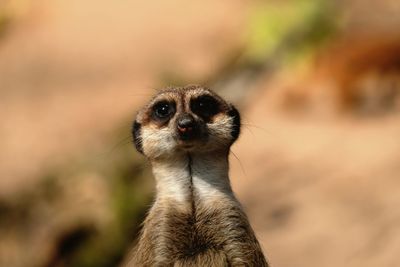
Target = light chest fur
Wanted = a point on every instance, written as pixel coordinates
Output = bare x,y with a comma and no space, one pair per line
196,219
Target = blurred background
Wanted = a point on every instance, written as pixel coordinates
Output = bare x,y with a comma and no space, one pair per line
317,83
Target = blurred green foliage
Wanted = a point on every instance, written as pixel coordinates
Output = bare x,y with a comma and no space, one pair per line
277,33
289,29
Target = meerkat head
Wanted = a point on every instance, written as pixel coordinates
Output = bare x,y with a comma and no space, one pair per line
186,119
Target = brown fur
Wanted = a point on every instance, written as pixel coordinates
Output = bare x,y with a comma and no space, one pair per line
212,236
196,219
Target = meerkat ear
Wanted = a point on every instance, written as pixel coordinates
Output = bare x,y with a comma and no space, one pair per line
137,137
234,113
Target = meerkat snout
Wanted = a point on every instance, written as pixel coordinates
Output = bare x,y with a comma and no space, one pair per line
190,118
188,128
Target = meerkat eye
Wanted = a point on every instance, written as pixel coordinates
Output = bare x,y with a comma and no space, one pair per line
163,110
205,106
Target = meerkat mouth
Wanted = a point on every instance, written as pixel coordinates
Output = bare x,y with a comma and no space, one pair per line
189,134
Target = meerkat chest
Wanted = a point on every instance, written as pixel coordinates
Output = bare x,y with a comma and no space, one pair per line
195,210
205,229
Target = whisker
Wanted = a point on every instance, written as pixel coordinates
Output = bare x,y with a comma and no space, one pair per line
126,140
240,163
248,128
257,127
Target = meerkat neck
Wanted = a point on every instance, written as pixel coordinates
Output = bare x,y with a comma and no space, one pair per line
203,176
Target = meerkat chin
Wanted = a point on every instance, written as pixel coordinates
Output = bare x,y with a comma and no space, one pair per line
186,133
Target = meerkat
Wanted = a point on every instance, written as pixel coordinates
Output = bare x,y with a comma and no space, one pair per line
186,134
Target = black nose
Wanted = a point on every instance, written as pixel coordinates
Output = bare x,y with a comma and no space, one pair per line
186,123
187,127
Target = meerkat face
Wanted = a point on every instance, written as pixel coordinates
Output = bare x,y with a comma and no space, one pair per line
189,119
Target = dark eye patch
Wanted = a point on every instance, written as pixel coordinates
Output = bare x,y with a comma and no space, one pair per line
163,111
205,106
